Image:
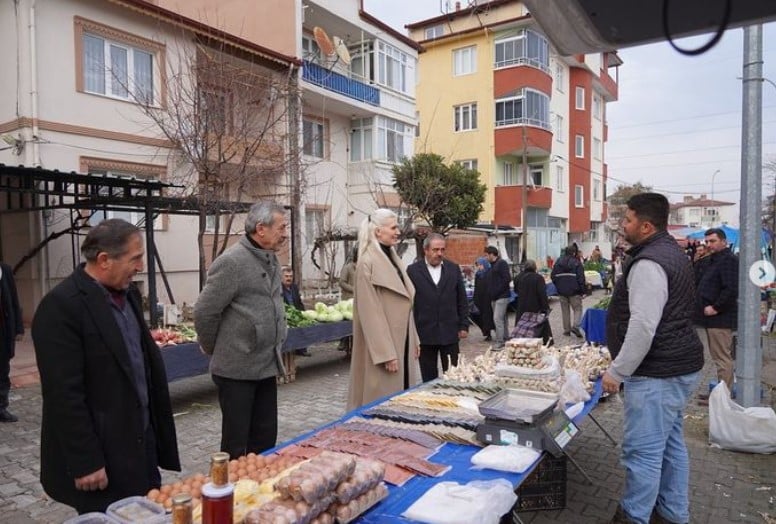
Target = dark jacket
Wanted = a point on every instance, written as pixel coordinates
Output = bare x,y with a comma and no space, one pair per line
676,349
568,276
292,296
12,324
481,299
498,280
716,279
440,310
531,293
92,415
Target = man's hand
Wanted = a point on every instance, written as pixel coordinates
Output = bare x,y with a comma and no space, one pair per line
463,333
610,384
392,366
93,481
709,311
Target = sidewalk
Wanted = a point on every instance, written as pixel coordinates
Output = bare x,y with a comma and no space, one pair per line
725,486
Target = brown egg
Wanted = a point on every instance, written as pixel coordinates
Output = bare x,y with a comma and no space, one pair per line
167,504
196,492
161,498
153,494
200,478
260,461
166,489
233,477
242,473
252,456
251,468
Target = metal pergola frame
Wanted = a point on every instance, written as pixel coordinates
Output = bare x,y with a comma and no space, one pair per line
34,189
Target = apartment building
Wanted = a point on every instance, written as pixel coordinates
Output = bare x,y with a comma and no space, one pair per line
494,94
703,212
88,85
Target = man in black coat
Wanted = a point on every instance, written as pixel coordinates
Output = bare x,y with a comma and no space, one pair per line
107,420
499,278
532,296
569,279
292,297
716,313
11,330
440,308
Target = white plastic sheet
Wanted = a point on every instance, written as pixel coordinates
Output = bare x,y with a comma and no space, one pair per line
512,458
732,426
483,502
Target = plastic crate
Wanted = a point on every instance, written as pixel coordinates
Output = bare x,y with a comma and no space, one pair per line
545,487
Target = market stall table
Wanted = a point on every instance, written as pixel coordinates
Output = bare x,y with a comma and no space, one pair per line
594,325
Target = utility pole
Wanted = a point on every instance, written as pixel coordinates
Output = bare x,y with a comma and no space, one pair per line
524,191
749,354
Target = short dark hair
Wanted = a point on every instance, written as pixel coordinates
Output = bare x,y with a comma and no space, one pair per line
491,250
716,231
109,236
530,265
572,250
430,237
650,207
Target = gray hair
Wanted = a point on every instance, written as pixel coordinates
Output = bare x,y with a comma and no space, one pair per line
530,265
109,236
262,213
366,234
430,237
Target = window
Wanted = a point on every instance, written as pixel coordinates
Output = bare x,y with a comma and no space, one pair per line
435,31
580,98
597,148
596,190
403,215
560,182
361,139
310,50
391,137
465,61
314,223
527,47
465,117
510,178
469,164
560,75
133,217
593,233
527,107
392,67
579,146
116,69
579,196
596,106
214,108
559,131
313,138
536,173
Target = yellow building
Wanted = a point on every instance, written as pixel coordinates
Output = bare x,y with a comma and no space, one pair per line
494,95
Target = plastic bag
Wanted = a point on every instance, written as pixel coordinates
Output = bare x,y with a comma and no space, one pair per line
477,501
512,458
573,389
732,426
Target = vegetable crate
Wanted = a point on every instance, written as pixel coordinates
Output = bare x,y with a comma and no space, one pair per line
544,489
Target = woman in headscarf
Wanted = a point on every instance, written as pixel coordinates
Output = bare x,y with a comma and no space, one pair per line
481,299
532,296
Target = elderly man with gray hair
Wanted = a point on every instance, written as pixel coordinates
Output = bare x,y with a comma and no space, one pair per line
241,323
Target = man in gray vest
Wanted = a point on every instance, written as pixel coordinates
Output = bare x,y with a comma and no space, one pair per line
657,355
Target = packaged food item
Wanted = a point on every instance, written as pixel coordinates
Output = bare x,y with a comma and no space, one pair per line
136,509
218,494
182,509
91,518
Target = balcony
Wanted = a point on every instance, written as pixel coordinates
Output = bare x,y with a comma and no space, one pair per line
509,138
509,202
341,84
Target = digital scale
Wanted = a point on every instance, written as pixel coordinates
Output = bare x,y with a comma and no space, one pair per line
527,418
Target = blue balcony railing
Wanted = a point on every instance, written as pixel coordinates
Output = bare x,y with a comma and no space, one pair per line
341,84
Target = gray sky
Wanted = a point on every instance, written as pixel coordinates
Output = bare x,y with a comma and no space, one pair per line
677,120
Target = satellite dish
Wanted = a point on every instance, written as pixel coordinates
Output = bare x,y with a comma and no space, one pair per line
341,49
323,41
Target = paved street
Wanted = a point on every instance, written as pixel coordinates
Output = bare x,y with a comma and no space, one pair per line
725,486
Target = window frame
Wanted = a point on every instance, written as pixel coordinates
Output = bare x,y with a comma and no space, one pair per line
597,104
579,146
533,170
579,98
512,181
318,211
458,117
579,195
523,57
470,164
320,139
383,153
560,179
596,190
362,130
558,130
596,148
471,61
560,76
388,54
435,31
526,97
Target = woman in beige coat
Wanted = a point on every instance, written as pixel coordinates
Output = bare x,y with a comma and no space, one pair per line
385,342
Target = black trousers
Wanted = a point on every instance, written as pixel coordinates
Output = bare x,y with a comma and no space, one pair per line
5,378
429,357
249,414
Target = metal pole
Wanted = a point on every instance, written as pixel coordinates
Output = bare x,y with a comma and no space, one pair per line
749,354
524,192
153,315
712,186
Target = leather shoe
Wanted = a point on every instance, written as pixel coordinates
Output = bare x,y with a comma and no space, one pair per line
7,416
577,332
303,353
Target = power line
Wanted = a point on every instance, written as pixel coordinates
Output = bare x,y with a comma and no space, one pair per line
714,148
689,118
677,133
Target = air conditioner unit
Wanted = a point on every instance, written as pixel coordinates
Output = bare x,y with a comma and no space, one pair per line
588,26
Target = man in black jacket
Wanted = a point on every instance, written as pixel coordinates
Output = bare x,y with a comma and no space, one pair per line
11,331
107,420
498,284
569,279
292,297
440,307
716,314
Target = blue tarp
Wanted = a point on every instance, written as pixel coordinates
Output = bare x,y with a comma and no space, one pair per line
732,235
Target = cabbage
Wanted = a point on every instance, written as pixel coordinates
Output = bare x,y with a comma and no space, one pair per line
310,314
336,316
320,307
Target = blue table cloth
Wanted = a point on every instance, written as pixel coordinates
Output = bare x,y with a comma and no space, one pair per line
594,324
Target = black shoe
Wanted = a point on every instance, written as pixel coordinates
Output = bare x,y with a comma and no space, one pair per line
567,333
488,338
7,416
303,353
577,332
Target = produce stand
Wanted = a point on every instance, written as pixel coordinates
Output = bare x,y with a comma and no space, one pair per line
188,360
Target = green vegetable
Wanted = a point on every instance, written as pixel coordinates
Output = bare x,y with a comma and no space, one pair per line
295,318
603,303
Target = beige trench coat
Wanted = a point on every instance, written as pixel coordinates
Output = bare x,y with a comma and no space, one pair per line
382,319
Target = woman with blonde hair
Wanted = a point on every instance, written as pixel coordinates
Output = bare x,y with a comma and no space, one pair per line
385,343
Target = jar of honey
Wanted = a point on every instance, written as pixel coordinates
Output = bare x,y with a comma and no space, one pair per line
218,494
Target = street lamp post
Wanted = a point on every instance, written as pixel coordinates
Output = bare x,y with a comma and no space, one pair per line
712,184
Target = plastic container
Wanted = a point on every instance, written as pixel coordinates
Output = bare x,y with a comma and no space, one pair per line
136,509
545,487
519,405
91,518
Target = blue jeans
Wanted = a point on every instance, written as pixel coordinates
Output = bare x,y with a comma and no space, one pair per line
657,468
500,320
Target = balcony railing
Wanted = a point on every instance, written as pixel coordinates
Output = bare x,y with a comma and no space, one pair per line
341,84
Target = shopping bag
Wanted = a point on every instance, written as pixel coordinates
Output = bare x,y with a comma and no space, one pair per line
732,426
529,326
